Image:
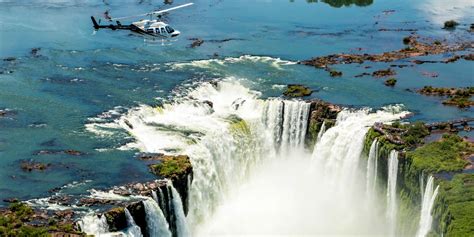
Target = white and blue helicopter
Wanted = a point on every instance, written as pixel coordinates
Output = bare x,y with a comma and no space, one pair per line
153,28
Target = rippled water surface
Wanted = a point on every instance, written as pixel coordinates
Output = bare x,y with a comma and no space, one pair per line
77,76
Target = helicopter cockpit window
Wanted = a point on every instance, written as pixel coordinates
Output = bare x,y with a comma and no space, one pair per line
169,29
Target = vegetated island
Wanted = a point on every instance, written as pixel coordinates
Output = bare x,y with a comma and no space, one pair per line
460,97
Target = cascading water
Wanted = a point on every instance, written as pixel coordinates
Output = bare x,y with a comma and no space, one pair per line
371,177
294,124
223,138
392,191
340,147
156,222
154,196
275,199
181,223
426,218
227,131
322,130
93,225
133,230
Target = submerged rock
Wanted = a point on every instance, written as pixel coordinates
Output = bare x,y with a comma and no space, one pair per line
333,73
9,59
469,57
6,112
56,152
451,24
196,42
35,52
294,90
32,165
384,73
390,82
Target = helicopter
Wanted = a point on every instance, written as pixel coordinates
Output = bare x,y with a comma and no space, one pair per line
153,28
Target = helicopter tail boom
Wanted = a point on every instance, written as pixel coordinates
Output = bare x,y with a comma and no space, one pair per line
118,26
94,22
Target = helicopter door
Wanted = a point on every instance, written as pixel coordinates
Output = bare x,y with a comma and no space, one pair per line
163,31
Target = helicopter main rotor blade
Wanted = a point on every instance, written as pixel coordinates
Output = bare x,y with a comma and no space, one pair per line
153,13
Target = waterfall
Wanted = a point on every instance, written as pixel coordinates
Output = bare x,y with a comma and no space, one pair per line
321,131
133,230
154,196
340,146
272,118
227,131
294,123
224,141
371,177
426,218
181,224
93,225
392,191
156,222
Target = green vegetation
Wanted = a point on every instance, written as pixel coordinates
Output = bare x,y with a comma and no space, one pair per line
410,134
297,91
446,154
384,73
460,97
15,221
415,133
451,24
455,206
459,101
440,91
391,82
172,166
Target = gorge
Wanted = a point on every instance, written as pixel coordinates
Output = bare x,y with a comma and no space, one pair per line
250,155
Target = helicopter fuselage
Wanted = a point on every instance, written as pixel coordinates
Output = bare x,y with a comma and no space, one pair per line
155,28
152,28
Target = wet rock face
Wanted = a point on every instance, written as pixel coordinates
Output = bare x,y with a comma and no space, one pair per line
137,210
116,219
320,112
178,169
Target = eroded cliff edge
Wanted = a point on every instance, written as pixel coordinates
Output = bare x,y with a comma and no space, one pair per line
429,150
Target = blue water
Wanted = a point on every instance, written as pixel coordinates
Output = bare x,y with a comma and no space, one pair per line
77,75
